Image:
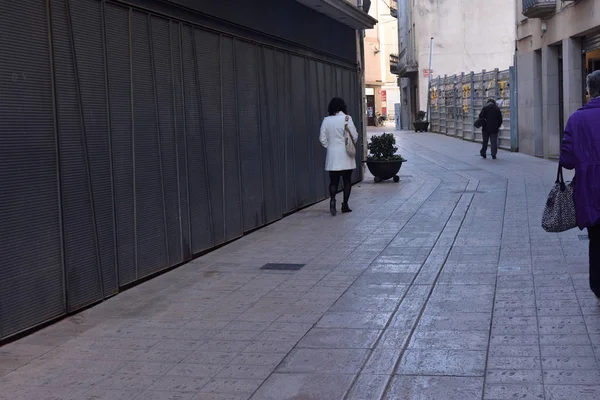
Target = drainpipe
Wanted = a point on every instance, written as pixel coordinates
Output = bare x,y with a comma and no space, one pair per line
360,35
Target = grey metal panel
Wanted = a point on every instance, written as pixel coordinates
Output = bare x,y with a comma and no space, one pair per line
151,236
301,146
268,115
163,76
81,254
31,276
316,116
231,161
286,130
86,17
200,221
119,88
591,42
280,134
181,137
324,98
246,63
209,80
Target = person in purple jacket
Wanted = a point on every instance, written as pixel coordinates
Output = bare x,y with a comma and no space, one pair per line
580,150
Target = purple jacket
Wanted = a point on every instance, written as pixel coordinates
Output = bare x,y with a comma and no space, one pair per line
581,150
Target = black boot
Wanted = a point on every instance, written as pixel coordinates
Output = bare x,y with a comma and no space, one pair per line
332,208
345,208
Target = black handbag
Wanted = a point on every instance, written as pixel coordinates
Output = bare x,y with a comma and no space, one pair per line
479,123
560,214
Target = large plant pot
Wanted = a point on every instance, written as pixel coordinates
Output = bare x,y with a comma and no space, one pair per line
384,170
421,126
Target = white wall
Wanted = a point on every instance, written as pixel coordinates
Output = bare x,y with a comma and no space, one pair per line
470,35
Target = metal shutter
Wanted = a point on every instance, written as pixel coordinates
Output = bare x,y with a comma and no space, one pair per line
81,252
324,98
163,78
198,190
231,161
120,100
302,165
209,81
181,133
250,141
150,213
286,132
591,42
268,125
88,35
31,276
316,117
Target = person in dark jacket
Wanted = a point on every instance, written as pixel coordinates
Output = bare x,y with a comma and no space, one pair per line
492,117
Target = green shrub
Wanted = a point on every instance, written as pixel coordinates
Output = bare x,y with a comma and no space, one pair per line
383,148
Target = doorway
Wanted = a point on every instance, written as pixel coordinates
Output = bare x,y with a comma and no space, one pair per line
371,110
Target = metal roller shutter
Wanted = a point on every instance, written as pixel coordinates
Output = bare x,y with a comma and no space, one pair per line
165,99
591,42
84,285
316,113
120,100
286,130
209,81
150,213
324,98
268,107
200,218
231,139
299,131
88,35
181,137
248,98
31,276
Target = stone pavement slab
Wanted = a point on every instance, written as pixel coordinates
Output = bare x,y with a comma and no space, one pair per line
443,286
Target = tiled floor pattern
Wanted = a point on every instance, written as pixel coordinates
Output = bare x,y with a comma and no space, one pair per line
441,287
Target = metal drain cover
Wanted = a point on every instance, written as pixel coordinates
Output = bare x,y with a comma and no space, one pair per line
282,267
583,237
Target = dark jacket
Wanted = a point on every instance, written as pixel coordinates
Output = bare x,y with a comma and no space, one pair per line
580,150
493,118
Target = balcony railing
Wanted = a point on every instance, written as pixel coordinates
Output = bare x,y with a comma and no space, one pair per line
539,8
394,8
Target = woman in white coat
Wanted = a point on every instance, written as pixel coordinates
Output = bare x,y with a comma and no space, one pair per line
338,163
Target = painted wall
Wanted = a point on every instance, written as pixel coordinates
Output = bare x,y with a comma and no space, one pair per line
573,20
380,42
470,35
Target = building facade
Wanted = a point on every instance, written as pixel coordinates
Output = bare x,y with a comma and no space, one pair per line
381,88
469,35
558,45
136,135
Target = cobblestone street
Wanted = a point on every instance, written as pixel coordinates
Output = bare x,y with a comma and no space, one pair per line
443,286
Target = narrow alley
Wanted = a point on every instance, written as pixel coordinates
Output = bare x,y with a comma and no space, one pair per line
443,286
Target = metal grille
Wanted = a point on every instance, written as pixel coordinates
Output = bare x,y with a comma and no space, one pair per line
31,276
164,139
591,42
457,100
121,127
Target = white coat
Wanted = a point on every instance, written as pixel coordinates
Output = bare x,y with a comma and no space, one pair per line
332,138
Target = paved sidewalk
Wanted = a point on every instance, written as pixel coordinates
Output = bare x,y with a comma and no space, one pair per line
442,287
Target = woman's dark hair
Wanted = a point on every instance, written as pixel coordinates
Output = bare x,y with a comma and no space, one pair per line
336,105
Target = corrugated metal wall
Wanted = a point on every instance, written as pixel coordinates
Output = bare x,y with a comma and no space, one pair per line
131,141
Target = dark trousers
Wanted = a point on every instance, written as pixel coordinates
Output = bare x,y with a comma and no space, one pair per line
594,235
493,137
334,177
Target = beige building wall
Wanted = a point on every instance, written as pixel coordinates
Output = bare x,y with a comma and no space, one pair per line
469,35
380,42
547,94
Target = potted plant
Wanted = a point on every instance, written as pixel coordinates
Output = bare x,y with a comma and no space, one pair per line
383,162
421,125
